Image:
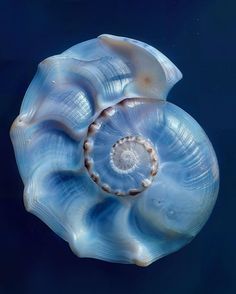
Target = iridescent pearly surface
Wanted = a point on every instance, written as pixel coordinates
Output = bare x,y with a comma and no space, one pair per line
113,168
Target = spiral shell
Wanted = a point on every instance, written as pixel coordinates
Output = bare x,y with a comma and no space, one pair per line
113,168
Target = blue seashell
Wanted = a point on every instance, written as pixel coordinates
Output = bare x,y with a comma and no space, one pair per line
113,168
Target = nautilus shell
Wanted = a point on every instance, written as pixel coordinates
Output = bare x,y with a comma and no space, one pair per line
113,168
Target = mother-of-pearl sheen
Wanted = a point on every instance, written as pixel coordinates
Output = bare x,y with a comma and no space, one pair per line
113,168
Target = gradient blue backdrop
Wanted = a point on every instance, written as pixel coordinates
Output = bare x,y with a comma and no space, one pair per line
199,37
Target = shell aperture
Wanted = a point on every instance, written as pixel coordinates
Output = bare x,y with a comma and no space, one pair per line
113,168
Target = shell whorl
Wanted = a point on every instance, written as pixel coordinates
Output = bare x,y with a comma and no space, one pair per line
128,155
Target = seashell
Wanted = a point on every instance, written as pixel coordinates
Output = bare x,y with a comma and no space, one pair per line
108,164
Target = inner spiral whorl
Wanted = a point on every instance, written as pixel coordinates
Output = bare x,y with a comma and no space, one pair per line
129,152
119,164
124,157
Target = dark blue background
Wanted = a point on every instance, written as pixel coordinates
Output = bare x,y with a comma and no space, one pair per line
199,37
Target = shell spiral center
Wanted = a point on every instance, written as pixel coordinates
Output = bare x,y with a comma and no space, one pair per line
120,162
